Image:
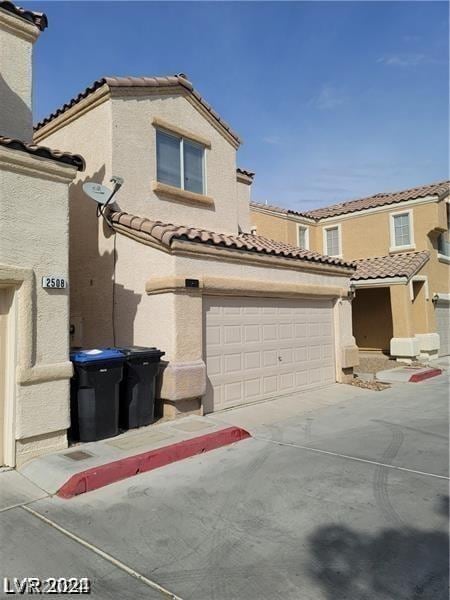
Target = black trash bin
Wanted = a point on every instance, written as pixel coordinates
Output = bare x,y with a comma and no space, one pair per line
137,396
94,397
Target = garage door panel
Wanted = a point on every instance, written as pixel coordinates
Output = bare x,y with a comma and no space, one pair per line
285,331
257,348
269,332
287,381
270,358
443,326
233,392
232,334
232,363
252,388
252,360
214,365
270,385
301,330
286,355
252,333
327,351
314,353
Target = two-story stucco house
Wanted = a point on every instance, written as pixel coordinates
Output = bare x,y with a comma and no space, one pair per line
399,242
240,317
34,214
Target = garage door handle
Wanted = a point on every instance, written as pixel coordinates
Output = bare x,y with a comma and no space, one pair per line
280,359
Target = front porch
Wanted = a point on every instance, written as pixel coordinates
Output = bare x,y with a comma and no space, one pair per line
391,308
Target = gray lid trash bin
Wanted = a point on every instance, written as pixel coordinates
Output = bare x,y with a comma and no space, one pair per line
137,393
94,394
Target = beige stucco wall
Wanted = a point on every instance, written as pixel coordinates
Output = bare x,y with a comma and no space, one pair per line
118,137
91,251
369,235
243,194
375,227
282,227
157,320
16,52
134,159
173,320
33,243
366,235
270,225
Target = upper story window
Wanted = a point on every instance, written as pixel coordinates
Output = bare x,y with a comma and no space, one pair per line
303,237
180,162
332,240
401,230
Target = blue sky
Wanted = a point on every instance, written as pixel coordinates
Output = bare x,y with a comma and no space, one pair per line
334,100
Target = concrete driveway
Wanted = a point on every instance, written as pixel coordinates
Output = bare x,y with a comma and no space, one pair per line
341,494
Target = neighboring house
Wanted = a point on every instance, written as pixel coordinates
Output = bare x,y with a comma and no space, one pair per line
400,244
240,317
34,181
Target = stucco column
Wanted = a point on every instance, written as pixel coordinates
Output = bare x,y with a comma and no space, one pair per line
346,350
402,322
183,381
404,345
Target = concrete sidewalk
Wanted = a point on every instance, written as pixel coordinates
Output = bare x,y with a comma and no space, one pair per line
407,374
17,490
88,466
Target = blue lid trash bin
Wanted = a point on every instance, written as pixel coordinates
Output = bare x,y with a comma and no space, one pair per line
137,391
94,394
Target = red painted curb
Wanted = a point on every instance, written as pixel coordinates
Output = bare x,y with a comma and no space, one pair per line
98,477
425,375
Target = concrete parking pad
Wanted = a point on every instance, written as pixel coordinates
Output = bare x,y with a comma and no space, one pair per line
15,490
30,548
259,521
406,425
291,514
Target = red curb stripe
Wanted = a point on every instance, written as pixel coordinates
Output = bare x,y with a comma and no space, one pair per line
425,375
97,477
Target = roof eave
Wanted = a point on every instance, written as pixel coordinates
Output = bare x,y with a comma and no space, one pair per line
124,86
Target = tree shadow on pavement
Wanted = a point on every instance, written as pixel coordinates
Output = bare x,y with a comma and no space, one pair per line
405,563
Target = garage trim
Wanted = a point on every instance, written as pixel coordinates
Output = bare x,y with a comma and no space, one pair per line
234,286
442,301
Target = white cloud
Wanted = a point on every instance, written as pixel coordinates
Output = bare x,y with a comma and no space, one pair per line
329,97
407,60
274,140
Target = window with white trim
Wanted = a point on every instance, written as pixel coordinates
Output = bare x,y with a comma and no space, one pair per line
402,229
180,162
332,241
303,237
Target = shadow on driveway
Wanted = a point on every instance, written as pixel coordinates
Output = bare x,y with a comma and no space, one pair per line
404,563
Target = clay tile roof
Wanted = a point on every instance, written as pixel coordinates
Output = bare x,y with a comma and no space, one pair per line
434,189
176,81
279,209
63,157
397,265
166,233
37,18
244,172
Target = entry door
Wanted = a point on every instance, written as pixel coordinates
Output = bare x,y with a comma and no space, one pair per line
5,306
259,348
443,325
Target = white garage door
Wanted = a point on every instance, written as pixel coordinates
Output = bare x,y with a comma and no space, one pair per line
443,325
257,348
